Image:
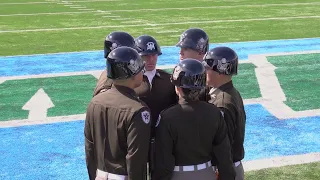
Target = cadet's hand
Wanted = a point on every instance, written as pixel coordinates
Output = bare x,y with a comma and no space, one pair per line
217,175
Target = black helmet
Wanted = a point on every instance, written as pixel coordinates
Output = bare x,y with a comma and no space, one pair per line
146,45
123,63
117,39
223,60
189,74
194,38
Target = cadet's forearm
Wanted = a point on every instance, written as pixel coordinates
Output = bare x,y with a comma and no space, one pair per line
224,157
136,164
138,141
90,160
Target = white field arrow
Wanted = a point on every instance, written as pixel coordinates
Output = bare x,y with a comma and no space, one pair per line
38,106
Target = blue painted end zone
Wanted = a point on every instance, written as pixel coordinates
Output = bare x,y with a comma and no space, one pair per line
86,61
56,151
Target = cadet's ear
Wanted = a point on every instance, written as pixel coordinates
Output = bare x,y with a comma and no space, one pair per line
178,91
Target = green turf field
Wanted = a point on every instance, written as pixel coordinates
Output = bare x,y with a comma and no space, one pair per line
299,86
84,28
295,172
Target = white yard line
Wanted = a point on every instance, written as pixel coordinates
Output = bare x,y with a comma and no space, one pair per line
55,13
22,3
167,31
161,9
162,24
189,8
268,82
214,7
281,161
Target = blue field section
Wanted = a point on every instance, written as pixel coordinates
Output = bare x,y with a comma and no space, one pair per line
56,151
86,61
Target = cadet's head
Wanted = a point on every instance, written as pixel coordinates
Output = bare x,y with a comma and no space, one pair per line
194,43
221,63
189,77
125,66
117,39
149,50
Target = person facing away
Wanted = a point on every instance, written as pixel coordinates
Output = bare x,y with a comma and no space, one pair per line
118,123
222,65
191,135
114,40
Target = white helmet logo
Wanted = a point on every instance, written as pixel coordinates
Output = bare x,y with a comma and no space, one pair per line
150,46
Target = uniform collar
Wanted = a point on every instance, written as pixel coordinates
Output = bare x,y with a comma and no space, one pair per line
223,87
150,75
124,90
158,73
226,86
186,101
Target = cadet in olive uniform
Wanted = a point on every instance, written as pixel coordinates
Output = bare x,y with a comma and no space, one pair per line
117,126
113,40
156,89
193,43
222,63
190,134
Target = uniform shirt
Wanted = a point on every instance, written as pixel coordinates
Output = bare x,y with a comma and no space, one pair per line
229,100
150,75
190,133
117,134
158,95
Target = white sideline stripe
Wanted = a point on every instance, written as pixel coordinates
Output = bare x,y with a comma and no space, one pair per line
56,13
252,101
49,75
281,161
290,53
48,120
163,24
189,8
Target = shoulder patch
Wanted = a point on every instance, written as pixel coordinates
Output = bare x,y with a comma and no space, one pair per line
158,121
145,115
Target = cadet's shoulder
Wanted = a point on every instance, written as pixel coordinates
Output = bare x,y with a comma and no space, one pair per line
171,109
163,73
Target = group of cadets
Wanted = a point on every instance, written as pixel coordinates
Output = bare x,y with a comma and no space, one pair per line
143,122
